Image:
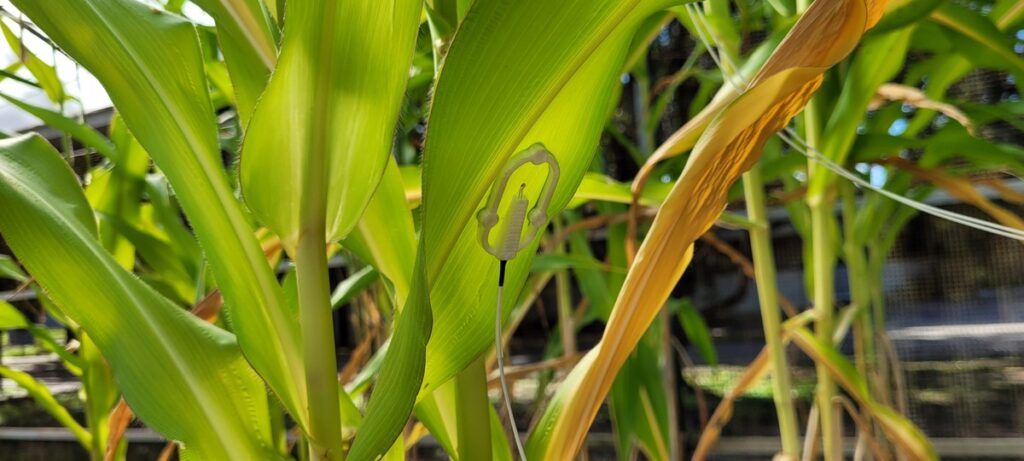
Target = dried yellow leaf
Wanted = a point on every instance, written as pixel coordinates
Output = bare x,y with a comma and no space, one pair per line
731,144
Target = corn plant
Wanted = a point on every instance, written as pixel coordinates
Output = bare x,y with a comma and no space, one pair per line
870,229
317,91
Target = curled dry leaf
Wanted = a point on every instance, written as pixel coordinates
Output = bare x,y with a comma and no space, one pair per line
120,417
732,143
681,141
917,98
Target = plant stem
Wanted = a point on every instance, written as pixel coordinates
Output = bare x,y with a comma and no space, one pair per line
668,379
473,419
823,273
318,344
860,292
822,252
566,325
764,272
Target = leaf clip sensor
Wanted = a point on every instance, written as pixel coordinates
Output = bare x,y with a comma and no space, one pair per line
510,243
512,240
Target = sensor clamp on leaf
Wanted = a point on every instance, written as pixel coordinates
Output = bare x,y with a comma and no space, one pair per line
512,239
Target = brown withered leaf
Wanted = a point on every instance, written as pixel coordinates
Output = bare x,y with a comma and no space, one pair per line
730,145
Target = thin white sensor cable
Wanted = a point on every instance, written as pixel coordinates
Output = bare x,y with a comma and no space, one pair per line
794,140
980,224
499,353
521,225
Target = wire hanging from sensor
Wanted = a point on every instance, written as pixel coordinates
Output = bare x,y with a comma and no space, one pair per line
518,216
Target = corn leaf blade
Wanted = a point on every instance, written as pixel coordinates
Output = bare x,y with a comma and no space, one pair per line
183,377
331,108
400,375
151,66
10,270
385,235
41,394
45,74
11,317
980,30
87,134
550,92
248,37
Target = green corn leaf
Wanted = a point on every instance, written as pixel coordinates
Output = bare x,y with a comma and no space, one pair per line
353,285
116,190
400,375
385,236
45,74
151,66
1009,14
979,29
72,362
878,60
638,402
362,380
448,10
594,285
10,270
174,6
220,80
247,36
501,450
158,254
79,131
554,262
901,13
11,317
41,394
652,422
328,114
697,331
948,69
167,214
9,72
183,377
567,57
596,186
1011,112
437,413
